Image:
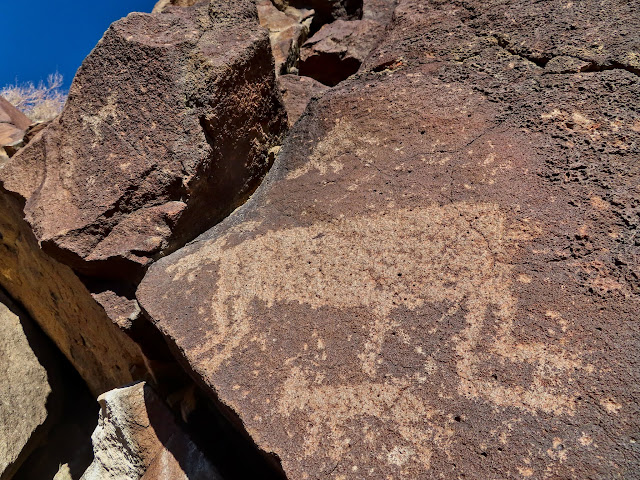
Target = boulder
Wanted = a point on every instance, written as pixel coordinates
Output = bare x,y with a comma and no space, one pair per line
138,437
287,32
438,277
296,93
60,303
336,51
25,389
181,125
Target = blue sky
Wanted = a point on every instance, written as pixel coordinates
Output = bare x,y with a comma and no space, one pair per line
42,36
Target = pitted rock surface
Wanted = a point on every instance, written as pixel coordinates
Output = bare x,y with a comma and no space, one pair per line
439,277
148,156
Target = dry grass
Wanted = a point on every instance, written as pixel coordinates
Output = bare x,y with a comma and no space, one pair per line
40,103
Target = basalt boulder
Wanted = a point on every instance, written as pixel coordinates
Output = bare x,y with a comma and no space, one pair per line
439,276
336,51
167,129
56,299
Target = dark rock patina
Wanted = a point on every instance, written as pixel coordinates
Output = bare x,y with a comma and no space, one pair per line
439,277
166,130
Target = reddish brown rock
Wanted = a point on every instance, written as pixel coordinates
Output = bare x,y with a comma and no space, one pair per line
146,157
296,93
338,49
438,278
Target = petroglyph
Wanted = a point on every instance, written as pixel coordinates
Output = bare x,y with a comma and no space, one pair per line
95,121
402,260
333,407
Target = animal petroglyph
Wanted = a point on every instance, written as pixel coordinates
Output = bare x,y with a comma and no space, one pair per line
457,254
332,407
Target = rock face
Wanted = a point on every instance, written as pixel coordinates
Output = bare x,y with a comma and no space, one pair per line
24,393
137,437
296,93
438,278
338,49
181,125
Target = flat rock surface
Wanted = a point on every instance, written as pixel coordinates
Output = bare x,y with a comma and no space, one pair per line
24,393
181,125
439,277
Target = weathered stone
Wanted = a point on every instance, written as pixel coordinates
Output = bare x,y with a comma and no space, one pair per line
379,10
9,134
297,92
137,433
287,32
338,49
181,126
63,473
438,277
63,307
24,390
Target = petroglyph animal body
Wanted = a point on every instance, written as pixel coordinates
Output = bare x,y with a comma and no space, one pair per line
456,254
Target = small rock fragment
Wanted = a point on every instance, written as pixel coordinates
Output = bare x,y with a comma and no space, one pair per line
138,436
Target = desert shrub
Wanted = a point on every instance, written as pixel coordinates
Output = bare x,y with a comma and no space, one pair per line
40,103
